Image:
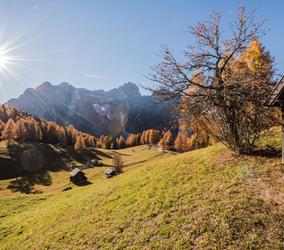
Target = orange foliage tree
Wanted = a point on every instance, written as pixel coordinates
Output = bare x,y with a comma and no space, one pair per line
236,78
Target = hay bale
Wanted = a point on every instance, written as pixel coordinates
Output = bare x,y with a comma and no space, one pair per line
32,160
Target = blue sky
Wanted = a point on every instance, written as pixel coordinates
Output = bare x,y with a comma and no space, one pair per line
102,44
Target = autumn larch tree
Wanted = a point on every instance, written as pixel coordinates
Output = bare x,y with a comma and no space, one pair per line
62,134
90,141
143,138
182,142
121,142
169,139
237,77
162,144
2,126
131,140
80,144
105,141
154,136
147,137
20,130
138,139
72,134
8,132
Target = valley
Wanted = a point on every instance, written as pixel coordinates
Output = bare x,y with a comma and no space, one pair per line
141,125
64,159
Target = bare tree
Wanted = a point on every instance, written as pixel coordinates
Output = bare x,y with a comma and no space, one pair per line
215,84
117,162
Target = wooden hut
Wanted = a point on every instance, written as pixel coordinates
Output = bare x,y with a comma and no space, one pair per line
276,99
109,173
92,163
78,177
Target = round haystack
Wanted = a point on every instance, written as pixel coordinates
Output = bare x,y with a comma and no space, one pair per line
32,160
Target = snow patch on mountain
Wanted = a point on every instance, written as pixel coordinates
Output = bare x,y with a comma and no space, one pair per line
103,110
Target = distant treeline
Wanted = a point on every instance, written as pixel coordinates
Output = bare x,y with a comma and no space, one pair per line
19,126
184,141
149,137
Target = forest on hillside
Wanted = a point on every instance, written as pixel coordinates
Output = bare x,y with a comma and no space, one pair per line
16,125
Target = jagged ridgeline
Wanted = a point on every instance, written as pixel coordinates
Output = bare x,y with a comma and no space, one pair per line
122,110
20,126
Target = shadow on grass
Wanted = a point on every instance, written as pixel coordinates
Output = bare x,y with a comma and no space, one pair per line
53,158
100,153
268,152
25,184
86,183
122,154
52,161
84,156
135,163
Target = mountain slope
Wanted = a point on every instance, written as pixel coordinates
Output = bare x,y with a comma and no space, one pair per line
204,199
29,144
98,112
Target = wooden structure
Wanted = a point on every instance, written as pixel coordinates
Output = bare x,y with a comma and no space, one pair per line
78,177
276,99
93,163
109,173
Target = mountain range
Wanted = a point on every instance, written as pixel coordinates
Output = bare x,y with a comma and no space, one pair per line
117,111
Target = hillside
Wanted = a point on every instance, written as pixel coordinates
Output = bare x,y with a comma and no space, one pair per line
27,143
204,199
56,158
119,110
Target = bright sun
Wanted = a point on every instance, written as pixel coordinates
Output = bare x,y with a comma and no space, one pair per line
10,58
4,61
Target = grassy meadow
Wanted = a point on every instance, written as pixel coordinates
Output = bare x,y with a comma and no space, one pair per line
203,199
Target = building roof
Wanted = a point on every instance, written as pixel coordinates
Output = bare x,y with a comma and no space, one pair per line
277,94
109,171
75,171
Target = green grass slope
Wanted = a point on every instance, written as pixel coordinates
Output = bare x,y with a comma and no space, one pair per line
62,159
204,199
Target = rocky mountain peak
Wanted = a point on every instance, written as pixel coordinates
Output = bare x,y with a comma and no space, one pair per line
65,85
43,86
113,112
126,91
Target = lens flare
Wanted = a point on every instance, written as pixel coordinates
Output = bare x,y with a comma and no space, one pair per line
11,57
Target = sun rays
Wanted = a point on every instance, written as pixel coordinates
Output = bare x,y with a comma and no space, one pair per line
12,58
10,55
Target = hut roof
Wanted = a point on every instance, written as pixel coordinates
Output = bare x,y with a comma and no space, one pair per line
75,171
277,94
109,171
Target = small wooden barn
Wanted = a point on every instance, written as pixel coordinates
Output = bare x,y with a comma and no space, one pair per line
276,99
92,163
109,173
78,177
